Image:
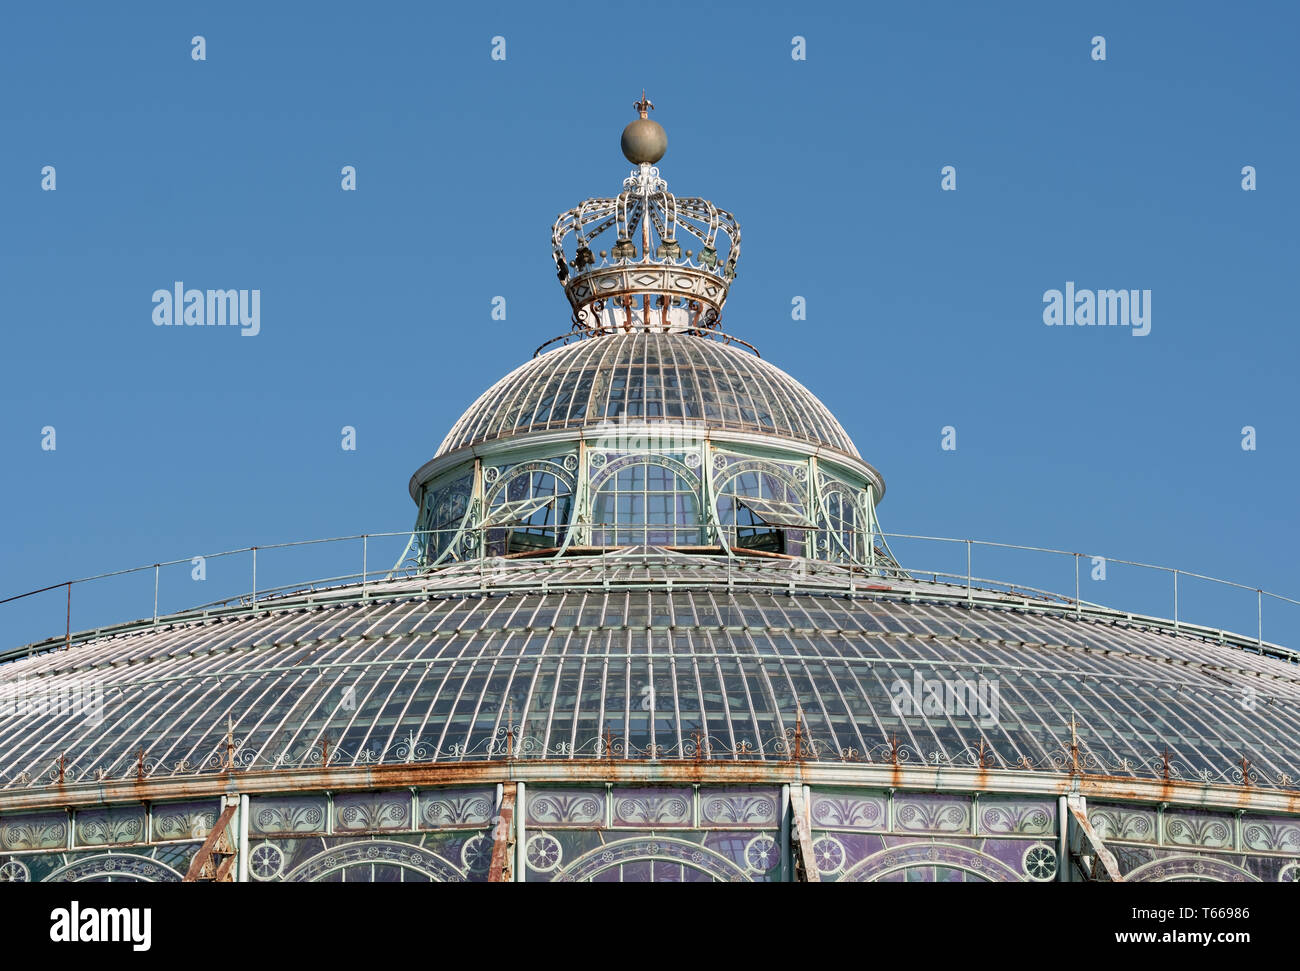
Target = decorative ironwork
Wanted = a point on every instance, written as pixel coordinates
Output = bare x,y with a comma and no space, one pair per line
645,279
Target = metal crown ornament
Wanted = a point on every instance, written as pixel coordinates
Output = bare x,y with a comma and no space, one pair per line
646,279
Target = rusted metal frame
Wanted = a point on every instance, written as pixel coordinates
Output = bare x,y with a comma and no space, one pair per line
1088,839
75,722
894,668
805,863
503,837
1242,728
666,772
1193,724
202,860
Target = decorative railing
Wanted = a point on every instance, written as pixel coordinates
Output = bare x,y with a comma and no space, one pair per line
259,577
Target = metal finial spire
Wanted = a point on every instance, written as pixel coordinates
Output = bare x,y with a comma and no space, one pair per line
648,279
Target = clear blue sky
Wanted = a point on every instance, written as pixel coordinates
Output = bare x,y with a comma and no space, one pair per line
924,306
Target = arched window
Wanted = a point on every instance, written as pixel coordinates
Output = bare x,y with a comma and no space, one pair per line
646,499
840,521
762,507
444,509
527,506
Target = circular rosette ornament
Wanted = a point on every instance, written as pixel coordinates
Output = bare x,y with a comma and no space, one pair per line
544,853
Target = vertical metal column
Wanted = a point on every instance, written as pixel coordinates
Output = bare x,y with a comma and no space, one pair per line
786,875
242,845
1062,840
521,851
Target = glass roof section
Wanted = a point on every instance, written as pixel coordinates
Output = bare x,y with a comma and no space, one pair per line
598,657
647,376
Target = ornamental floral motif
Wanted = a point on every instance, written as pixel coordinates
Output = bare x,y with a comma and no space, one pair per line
1018,818
105,827
1289,873
365,811
266,861
297,816
14,871
456,808
828,854
37,832
663,810
565,808
1189,830
935,814
183,822
476,854
1133,825
1273,837
848,812
739,809
1039,862
762,853
544,853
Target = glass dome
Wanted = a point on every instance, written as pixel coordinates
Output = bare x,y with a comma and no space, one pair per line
647,376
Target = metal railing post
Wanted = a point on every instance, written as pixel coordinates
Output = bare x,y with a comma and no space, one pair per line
365,542
1259,615
1175,601
1078,607
155,593
968,574
254,576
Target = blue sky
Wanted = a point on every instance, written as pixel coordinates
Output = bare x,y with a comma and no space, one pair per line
924,306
